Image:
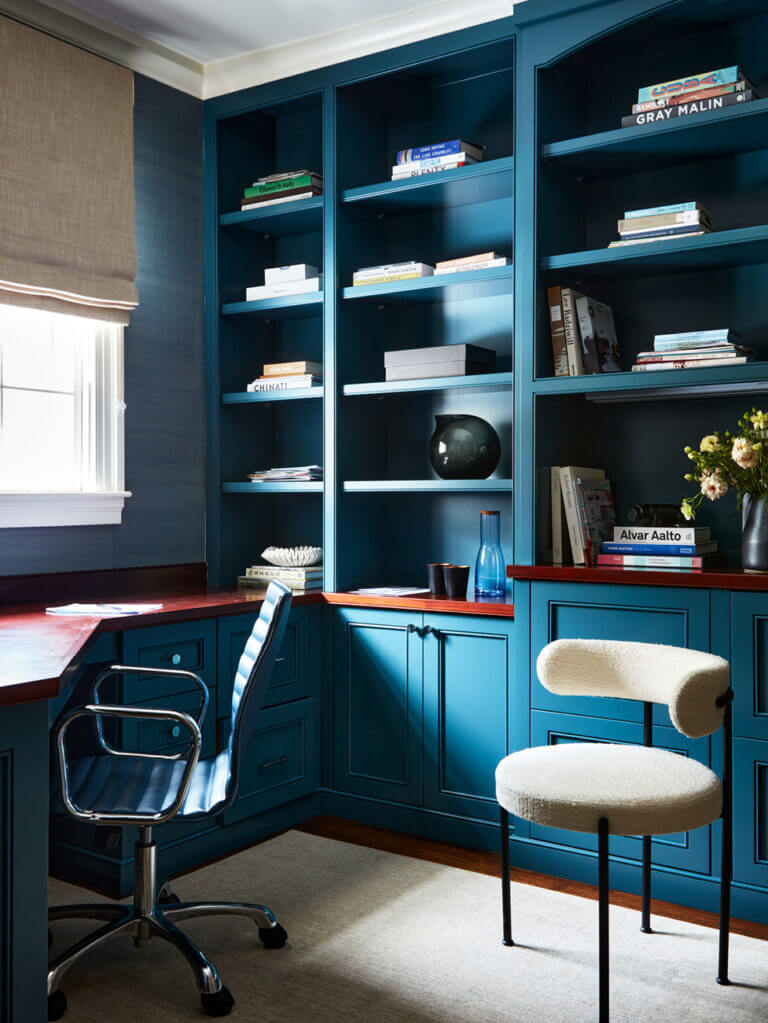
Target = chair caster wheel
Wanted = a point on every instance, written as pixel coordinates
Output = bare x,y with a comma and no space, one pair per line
273,937
57,1005
167,898
219,1004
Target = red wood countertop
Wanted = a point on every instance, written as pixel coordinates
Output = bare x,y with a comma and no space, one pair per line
711,579
501,608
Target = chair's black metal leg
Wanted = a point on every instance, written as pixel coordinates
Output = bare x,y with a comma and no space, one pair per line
603,906
726,868
506,908
645,923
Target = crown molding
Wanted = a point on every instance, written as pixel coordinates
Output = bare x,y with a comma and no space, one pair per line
269,65
104,38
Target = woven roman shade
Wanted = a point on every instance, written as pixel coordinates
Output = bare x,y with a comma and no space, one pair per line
67,239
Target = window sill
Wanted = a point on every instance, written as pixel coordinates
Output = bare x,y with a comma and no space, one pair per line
22,510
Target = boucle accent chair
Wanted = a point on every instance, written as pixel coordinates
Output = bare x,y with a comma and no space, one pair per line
611,789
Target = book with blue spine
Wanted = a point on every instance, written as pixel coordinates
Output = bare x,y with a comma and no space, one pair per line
657,211
440,149
672,549
662,232
718,334
708,79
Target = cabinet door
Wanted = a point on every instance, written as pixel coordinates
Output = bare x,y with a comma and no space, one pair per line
687,850
378,704
750,812
678,617
467,680
749,664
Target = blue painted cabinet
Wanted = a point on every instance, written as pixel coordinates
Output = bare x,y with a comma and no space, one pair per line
749,664
467,683
750,805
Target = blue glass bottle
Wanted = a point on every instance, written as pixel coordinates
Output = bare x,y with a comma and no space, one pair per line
490,567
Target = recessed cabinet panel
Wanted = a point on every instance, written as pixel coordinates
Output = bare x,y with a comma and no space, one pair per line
467,671
749,664
677,617
378,705
689,851
750,811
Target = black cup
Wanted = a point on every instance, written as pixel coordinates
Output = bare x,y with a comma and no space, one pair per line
456,580
436,577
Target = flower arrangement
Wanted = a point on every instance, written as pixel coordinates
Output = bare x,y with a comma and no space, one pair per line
729,461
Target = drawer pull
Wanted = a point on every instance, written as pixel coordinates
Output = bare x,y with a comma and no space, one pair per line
273,763
176,659
175,731
280,660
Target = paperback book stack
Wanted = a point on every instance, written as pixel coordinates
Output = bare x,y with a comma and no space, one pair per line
287,474
438,157
276,188
582,513
388,272
309,578
287,376
297,279
722,89
681,548
680,220
583,334
481,261
697,349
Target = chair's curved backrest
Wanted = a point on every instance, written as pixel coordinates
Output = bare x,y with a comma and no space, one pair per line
254,673
689,682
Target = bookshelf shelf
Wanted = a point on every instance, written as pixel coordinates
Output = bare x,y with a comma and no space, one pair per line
672,383
482,182
299,217
428,486
276,487
497,280
477,382
647,147
266,397
740,247
287,307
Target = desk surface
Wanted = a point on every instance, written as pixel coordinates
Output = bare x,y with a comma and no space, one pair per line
722,578
38,652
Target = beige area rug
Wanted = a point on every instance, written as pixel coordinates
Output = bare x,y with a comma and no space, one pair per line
375,936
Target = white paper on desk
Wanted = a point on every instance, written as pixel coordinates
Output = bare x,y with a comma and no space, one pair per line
102,610
391,591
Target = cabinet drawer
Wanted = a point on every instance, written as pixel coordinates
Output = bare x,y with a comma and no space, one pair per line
189,646
168,736
688,850
749,664
291,679
280,763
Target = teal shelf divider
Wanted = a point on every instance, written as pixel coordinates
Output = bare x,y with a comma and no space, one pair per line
427,486
497,280
477,382
297,217
313,487
480,182
266,397
287,307
672,383
740,247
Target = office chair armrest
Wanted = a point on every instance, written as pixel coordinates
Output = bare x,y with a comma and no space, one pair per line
121,669
100,710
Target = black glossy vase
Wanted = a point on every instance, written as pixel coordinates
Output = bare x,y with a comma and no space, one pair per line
754,534
464,448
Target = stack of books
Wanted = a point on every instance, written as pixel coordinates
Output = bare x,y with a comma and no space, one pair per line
438,157
583,334
287,376
309,578
287,474
582,513
694,94
482,261
297,279
277,188
695,349
679,220
668,547
387,272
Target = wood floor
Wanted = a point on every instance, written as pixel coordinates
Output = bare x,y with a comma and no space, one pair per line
488,863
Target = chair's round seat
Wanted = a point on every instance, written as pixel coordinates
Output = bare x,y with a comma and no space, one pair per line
641,790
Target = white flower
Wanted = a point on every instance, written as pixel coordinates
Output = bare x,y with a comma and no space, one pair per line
743,453
713,486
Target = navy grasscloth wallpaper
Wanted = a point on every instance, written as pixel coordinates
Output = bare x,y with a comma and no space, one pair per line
164,521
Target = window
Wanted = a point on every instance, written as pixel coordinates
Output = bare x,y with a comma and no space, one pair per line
61,419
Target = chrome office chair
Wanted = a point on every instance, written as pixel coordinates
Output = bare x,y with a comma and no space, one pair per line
612,789
129,789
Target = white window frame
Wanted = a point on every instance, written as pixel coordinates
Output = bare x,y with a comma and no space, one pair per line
88,507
